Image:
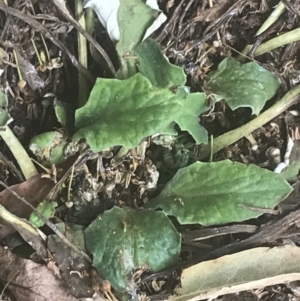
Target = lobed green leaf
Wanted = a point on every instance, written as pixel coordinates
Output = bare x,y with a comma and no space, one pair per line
124,112
248,85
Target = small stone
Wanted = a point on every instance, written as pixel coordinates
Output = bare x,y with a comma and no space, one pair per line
69,204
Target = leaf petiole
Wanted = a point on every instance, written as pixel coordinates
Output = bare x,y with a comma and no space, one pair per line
24,161
232,136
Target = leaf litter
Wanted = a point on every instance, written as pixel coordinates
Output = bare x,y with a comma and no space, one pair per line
144,139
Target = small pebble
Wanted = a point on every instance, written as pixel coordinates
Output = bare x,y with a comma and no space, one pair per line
69,204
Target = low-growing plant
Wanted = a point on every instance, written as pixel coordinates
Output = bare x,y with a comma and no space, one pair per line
147,99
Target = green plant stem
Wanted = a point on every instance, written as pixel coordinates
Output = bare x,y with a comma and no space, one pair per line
235,135
46,48
211,148
83,83
17,222
276,13
284,39
25,163
89,20
17,63
36,52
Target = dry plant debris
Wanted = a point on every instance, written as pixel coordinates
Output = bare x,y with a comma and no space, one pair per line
30,281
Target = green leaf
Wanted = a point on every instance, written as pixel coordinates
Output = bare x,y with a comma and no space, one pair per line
248,85
193,106
124,239
128,68
75,234
169,130
134,17
3,99
215,193
238,272
290,174
156,67
4,115
125,112
48,147
64,114
46,208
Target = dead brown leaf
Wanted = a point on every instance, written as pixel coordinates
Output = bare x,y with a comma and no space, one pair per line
32,281
73,267
28,71
33,190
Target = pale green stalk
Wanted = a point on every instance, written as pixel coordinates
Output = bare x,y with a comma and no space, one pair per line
17,222
27,167
284,39
277,12
83,83
235,135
